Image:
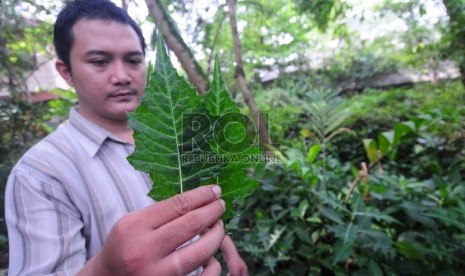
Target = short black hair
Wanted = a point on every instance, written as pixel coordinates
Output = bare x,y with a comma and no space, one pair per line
76,10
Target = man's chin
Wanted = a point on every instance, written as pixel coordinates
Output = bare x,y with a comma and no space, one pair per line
128,107
120,116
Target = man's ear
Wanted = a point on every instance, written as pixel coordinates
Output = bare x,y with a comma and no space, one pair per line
64,72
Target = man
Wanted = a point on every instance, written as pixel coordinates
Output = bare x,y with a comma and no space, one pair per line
74,205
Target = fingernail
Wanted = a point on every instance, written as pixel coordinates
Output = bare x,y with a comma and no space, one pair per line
221,222
217,190
223,204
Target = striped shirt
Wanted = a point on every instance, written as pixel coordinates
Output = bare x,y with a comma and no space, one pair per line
65,194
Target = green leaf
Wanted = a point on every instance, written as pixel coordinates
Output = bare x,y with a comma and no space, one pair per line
331,214
303,235
342,251
337,120
218,101
184,142
402,129
408,250
371,149
313,152
270,262
375,240
314,220
275,237
163,132
299,212
421,121
377,215
374,269
232,141
385,141
450,217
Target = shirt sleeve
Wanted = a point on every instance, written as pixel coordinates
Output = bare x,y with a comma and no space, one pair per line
44,227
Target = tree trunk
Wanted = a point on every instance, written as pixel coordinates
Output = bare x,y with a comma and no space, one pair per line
175,43
462,72
240,76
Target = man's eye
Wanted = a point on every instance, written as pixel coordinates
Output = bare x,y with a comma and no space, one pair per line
99,62
134,61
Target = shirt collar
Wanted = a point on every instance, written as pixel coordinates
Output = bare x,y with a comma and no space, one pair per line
95,134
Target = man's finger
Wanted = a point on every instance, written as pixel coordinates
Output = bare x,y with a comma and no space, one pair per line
172,235
169,209
199,252
211,268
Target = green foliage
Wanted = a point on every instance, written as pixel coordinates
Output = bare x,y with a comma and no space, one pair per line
388,141
422,41
432,149
274,32
454,35
325,115
403,220
281,103
23,124
339,42
323,11
455,30
22,38
20,128
398,230
60,107
181,138
355,64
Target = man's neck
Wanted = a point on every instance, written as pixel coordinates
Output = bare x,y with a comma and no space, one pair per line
123,133
119,128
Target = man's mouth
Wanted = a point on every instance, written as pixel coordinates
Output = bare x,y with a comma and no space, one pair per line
123,94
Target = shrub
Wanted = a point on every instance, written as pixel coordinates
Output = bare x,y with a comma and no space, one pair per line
318,213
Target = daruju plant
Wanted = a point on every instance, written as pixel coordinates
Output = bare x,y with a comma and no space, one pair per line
184,140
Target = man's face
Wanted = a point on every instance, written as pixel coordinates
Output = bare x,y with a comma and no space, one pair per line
108,69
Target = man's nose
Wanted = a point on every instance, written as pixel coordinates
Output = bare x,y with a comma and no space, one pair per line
120,74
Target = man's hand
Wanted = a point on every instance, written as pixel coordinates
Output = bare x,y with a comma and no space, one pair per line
145,242
236,266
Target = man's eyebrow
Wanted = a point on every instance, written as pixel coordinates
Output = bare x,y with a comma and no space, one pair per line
105,53
134,53
97,52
